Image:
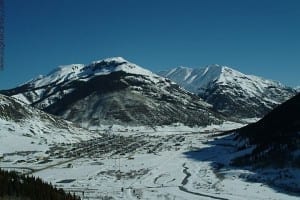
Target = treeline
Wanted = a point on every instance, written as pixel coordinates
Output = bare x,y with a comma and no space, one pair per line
18,186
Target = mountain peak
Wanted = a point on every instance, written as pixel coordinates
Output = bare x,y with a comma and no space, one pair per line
117,59
81,72
214,66
231,91
115,91
114,64
222,70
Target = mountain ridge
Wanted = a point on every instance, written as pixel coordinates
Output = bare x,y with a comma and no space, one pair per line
231,92
27,128
114,90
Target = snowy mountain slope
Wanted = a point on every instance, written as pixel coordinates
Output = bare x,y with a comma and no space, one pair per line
23,128
46,87
114,91
231,92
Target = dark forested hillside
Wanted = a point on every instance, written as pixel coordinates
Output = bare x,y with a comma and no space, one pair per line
15,186
276,137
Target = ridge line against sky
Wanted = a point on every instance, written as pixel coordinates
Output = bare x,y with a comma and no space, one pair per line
259,37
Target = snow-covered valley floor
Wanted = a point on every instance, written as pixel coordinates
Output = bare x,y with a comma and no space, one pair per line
143,163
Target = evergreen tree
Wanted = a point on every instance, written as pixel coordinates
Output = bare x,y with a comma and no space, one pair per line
25,187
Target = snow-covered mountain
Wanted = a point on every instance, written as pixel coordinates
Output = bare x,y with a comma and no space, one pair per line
24,128
231,92
115,91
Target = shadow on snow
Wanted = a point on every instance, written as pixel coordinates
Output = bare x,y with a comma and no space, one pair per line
221,151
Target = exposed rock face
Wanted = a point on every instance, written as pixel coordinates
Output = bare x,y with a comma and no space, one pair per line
114,91
231,92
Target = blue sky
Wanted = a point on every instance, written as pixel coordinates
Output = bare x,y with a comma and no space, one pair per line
260,37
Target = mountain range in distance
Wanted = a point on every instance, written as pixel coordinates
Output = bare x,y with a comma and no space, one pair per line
231,92
116,91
